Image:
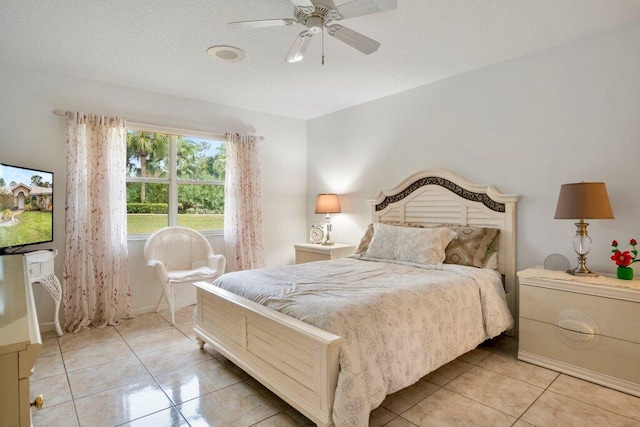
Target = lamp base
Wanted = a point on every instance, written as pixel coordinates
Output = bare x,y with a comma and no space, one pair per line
328,243
583,274
582,245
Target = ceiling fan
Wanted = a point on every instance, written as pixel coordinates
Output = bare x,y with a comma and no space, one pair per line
317,15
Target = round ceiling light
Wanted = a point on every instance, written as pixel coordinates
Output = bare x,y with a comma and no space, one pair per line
226,53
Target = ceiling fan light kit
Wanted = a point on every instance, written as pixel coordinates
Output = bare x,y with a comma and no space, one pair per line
318,15
296,53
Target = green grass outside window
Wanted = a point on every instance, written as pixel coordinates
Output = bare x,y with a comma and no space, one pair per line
149,223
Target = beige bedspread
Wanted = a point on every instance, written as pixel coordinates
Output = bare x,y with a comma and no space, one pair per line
399,321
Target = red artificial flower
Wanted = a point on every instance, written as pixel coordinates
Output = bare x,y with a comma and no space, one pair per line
633,242
622,259
614,243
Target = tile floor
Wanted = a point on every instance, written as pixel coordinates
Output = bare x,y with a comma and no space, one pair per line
145,372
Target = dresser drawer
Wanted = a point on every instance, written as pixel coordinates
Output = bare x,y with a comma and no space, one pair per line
615,318
602,354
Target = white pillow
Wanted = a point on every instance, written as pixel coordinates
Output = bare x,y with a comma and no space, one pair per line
419,245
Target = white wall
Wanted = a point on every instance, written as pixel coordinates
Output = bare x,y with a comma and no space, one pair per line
527,126
32,136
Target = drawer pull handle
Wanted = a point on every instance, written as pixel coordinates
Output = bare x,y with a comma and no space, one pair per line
576,329
576,326
575,337
38,402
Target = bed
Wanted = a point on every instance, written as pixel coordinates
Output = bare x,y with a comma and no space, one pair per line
329,367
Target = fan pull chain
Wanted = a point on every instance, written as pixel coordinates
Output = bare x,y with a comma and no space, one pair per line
322,37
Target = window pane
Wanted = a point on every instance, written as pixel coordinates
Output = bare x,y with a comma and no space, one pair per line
183,161
147,154
200,159
153,214
201,207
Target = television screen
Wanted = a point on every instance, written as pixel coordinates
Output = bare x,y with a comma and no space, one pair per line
26,207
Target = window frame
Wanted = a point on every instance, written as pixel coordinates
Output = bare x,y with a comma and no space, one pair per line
173,180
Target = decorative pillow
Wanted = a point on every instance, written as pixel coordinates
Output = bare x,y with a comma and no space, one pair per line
366,239
470,246
492,253
368,234
411,244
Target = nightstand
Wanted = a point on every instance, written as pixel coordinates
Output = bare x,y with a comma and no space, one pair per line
583,326
308,252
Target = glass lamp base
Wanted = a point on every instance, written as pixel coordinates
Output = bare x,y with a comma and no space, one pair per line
581,269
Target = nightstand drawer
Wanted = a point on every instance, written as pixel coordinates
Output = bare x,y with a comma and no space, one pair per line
547,345
309,252
614,318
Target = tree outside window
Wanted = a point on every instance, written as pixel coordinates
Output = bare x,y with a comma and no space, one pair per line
174,180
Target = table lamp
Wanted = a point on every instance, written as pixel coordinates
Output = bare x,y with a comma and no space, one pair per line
583,200
327,204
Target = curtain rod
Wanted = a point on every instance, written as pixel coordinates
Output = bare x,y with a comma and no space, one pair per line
171,130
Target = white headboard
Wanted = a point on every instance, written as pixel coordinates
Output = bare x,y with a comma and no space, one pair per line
435,196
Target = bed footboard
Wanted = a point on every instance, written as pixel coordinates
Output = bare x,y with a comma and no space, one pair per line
295,360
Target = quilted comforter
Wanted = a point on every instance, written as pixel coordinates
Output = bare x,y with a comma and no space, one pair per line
400,321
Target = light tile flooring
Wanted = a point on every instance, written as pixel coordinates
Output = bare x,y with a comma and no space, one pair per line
145,372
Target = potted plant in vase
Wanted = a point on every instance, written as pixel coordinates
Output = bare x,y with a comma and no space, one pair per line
624,259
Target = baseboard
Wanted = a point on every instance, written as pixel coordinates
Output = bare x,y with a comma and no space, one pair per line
46,327
149,309
578,372
49,326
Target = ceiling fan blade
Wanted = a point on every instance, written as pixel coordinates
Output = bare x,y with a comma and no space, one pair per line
302,3
296,53
365,7
263,23
353,38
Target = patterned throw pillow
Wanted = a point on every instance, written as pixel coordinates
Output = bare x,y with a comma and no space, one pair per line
411,244
470,246
491,257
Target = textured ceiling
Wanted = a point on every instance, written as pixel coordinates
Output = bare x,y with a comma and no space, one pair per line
159,45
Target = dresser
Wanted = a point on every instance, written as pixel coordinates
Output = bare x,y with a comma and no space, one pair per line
20,341
585,327
308,252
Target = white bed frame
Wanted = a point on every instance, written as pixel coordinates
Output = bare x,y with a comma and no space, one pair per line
299,362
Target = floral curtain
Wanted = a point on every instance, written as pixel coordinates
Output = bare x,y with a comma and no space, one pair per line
96,264
242,209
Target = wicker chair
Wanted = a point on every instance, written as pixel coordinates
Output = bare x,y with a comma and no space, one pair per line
181,256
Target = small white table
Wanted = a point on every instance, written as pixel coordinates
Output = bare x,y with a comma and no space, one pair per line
40,269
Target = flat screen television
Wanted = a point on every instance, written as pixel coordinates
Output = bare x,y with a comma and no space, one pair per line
26,207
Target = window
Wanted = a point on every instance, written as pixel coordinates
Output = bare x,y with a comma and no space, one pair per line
174,180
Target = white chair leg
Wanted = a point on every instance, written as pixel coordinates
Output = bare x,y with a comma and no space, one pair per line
172,305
